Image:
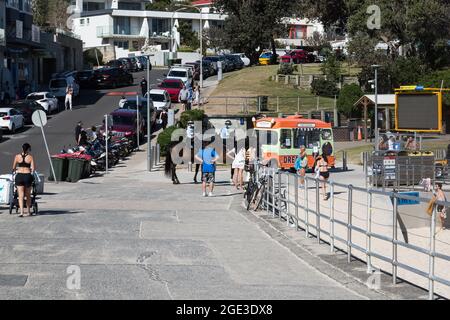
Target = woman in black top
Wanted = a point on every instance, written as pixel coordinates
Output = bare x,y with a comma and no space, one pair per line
24,167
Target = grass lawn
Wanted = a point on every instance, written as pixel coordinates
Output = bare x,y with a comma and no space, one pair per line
254,81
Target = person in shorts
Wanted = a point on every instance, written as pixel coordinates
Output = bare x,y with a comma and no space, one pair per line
207,157
24,168
441,210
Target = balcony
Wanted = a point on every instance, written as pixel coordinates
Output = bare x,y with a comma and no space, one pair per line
108,32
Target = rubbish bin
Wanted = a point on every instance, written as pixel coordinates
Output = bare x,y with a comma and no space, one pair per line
76,169
61,165
263,103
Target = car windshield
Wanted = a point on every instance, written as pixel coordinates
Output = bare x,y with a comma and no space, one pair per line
178,74
131,104
157,97
212,59
58,83
36,97
170,84
85,74
123,120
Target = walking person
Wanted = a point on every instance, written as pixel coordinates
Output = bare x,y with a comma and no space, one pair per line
207,157
143,85
122,102
301,164
197,96
324,174
183,97
78,129
238,165
170,168
440,209
69,94
24,168
163,118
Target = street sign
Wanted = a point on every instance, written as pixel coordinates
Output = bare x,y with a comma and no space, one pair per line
389,164
39,118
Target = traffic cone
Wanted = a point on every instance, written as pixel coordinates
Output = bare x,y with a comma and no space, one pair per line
359,134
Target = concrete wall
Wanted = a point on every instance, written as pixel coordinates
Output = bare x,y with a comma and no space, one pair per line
188,56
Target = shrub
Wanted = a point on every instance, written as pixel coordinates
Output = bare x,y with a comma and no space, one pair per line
325,88
287,68
165,138
350,93
191,115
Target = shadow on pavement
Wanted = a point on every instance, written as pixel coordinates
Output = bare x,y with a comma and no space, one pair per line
56,212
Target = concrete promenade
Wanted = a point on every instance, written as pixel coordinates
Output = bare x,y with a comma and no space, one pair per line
134,235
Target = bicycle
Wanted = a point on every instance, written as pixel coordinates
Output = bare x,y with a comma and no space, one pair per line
256,190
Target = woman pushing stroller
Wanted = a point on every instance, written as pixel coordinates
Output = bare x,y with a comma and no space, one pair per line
24,168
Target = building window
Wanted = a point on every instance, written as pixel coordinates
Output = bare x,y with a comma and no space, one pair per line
122,25
160,25
93,6
81,22
129,6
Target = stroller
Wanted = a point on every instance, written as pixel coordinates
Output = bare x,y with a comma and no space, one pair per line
15,201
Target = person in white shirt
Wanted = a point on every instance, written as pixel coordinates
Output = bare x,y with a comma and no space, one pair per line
122,102
238,165
69,93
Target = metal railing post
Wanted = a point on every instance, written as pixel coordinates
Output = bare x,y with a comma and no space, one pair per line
394,238
332,216
296,200
273,194
318,210
306,209
369,231
279,195
288,216
278,104
349,223
431,255
226,105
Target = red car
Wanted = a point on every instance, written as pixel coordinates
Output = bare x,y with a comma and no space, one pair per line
296,56
124,124
173,87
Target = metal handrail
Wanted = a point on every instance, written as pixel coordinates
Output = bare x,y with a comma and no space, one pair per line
312,212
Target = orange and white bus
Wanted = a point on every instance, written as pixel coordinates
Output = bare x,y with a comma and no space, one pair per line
281,138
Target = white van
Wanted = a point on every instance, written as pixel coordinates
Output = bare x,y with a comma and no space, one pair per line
183,73
59,83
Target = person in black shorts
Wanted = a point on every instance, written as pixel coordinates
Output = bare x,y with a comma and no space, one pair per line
324,174
24,168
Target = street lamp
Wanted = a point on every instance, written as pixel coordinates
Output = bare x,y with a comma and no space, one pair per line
376,67
200,36
149,120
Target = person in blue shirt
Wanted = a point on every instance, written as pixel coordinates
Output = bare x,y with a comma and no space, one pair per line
301,164
207,157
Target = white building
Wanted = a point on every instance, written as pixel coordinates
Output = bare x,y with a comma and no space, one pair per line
121,27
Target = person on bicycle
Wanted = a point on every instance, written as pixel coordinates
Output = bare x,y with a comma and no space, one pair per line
24,168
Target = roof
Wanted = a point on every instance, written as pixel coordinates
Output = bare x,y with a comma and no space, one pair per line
202,2
125,112
383,99
293,122
39,93
157,91
5,109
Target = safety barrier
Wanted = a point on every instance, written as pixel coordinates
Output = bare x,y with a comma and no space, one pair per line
365,224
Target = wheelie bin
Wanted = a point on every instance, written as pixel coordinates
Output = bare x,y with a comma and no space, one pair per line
76,169
61,166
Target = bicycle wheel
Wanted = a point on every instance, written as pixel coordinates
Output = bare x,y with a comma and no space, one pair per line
257,201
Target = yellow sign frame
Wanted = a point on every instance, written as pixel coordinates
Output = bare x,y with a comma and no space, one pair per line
408,90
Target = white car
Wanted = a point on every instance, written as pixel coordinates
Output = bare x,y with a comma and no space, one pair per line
59,83
183,73
11,119
161,99
244,58
47,100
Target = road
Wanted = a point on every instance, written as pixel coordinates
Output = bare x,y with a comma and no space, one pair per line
89,107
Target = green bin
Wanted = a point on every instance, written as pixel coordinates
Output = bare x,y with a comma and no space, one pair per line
61,167
76,170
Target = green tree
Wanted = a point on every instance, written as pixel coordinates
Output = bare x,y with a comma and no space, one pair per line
40,12
434,80
332,68
349,95
253,25
188,37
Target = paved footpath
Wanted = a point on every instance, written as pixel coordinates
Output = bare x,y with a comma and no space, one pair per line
134,235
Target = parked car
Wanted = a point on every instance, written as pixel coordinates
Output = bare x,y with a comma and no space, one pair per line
209,65
227,64
144,61
206,69
131,104
86,79
130,64
161,99
117,64
238,63
213,60
59,83
113,77
1,134
244,59
184,74
11,119
265,58
124,124
26,108
296,56
173,87
47,100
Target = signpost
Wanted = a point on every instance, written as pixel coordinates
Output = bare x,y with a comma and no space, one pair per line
39,119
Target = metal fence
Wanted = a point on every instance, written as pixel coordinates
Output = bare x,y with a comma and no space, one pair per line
389,231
